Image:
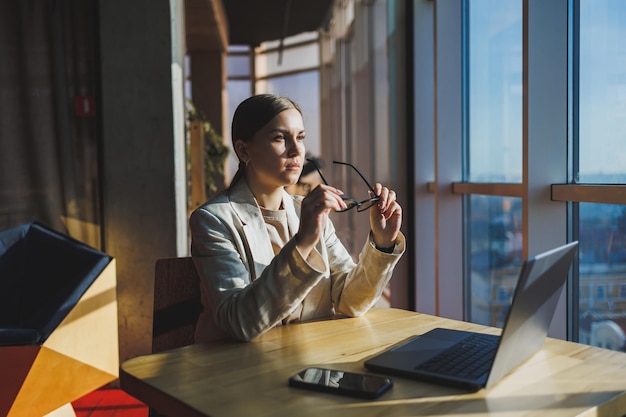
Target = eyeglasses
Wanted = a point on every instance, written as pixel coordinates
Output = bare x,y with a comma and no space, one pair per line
351,202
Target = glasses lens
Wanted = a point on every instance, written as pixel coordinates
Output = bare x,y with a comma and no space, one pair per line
367,204
350,203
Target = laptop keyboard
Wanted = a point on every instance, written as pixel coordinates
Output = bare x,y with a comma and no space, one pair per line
469,358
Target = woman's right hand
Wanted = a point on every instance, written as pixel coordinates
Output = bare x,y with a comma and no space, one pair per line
316,207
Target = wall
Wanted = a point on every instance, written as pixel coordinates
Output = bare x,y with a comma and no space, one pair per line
144,195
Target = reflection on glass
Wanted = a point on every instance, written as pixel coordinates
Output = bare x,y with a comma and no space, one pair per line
327,377
495,236
602,92
367,385
602,280
495,90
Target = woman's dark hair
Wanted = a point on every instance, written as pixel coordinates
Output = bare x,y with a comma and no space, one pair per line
255,112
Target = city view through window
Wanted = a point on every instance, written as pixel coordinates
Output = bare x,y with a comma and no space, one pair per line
598,143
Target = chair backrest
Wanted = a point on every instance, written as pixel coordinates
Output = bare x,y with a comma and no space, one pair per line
177,303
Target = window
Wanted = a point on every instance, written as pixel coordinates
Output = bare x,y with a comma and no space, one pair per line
543,98
495,256
495,90
239,68
601,92
599,158
597,103
494,155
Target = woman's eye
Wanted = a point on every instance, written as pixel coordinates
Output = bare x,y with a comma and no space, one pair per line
301,137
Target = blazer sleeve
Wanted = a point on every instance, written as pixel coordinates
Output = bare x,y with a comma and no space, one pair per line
357,287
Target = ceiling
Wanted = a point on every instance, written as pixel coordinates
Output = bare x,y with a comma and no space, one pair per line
215,24
254,21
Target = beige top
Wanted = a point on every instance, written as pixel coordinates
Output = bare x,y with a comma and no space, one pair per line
278,230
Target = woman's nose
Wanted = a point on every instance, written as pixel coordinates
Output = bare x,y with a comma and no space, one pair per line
295,147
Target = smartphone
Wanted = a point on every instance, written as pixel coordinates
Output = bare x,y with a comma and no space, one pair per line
341,382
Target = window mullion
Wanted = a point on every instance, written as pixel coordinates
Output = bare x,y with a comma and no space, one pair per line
545,131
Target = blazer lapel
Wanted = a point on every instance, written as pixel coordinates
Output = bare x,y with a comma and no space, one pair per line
257,241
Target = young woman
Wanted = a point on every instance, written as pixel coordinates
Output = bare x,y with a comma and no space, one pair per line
268,258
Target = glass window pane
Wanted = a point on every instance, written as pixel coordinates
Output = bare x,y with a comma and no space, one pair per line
238,91
238,65
602,91
602,295
495,90
495,232
304,89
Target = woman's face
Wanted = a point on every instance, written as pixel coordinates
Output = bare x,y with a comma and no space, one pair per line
275,154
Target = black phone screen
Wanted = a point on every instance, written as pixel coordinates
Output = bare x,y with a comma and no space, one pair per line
341,382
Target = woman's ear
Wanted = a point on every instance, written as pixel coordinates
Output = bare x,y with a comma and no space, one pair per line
241,150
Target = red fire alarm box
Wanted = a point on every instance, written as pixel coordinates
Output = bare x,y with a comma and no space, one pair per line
85,106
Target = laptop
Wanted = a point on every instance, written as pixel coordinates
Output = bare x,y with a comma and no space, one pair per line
436,356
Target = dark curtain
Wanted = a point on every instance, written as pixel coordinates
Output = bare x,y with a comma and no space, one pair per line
48,116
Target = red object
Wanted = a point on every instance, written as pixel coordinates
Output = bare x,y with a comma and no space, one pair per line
109,403
85,106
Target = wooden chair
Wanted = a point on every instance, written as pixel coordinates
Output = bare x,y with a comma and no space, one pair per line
177,303
176,308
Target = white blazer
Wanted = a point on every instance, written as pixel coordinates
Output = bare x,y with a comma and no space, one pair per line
247,290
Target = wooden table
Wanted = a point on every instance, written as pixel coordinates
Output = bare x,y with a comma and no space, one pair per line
231,379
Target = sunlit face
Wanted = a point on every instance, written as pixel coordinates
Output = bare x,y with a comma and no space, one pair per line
275,154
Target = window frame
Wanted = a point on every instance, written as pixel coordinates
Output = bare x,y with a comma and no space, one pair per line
439,145
550,198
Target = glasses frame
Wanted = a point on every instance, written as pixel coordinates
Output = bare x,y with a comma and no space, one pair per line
351,202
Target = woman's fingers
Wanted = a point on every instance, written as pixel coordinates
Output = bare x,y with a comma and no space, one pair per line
325,197
315,209
387,197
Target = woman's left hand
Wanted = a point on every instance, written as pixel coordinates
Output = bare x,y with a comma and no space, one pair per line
385,217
